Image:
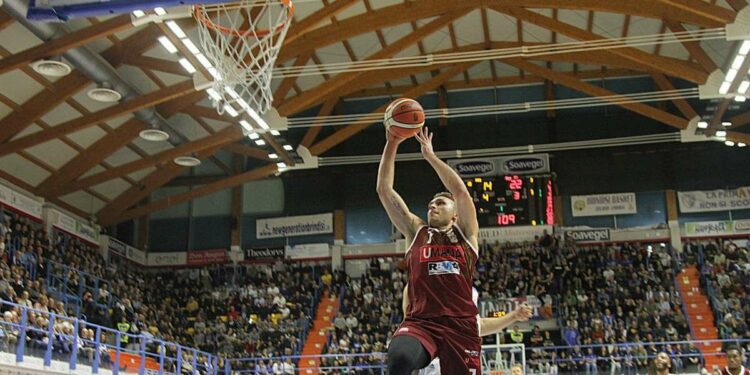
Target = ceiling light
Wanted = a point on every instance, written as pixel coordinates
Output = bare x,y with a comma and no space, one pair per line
154,135
246,125
190,46
51,68
258,120
160,11
731,75
726,123
217,76
187,65
104,95
281,165
214,95
176,29
253,135
204,61
729,143
230,110
288,148
275,133
744,85
740,99
702,125
138,13
260,142
721,133
168,45
724,88
741,144
187,161
737,63
273,156
745,47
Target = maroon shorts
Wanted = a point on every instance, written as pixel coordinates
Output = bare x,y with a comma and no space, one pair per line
454,340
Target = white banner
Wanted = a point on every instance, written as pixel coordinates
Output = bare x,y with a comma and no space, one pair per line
603,204
137,256
513,234
20,202
307,251
294,226
716,228
588,235
502,165
178,258
73,226
714,200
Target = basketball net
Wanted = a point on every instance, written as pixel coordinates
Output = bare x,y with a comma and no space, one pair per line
241,40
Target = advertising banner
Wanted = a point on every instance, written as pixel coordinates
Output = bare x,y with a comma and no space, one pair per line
513,234
178,258
308,251
714,200
589,235
70,225
502,165
265,253
603,204
716,228
20,202
294,226
206,257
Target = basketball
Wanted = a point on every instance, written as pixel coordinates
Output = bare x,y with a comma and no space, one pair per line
404,117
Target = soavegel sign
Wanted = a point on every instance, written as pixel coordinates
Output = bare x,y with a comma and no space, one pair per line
501,166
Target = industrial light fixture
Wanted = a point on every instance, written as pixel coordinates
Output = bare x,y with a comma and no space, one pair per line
729,143
273,156
187,161
51,68
726,124
741,144
104,94
154,135
288,148
702,125
721,133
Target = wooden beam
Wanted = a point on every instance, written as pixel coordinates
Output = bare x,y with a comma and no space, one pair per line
701,8
665,85
5,20
315,129
740,120
130,106
66,87
415,10
737,5
738,137
255,174
238,164
350,130
251,152
66,42
90,157
694,48
147,185
152,63
299,28
576,84
672,67
206,112
721,109
194,180
340,81
221,139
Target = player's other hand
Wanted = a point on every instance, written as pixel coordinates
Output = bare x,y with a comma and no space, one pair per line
523,312
425,139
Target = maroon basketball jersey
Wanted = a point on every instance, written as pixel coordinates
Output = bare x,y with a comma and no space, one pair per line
743,371
441,265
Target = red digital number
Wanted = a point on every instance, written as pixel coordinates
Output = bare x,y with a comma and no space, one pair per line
506,219
514,182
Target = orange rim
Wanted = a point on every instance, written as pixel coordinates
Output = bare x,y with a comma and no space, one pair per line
200,15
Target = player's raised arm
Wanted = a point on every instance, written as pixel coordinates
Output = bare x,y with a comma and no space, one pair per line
406,222
467,213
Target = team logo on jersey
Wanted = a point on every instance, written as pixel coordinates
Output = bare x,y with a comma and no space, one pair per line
432,253
471,353
443,268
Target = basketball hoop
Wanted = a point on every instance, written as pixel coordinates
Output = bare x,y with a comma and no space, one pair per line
241,40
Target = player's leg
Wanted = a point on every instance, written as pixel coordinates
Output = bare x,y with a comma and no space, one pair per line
460,347
405,354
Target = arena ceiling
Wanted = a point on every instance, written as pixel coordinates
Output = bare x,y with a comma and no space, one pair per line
86,156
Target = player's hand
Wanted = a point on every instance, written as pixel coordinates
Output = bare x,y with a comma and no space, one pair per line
425,139
394,139
522,313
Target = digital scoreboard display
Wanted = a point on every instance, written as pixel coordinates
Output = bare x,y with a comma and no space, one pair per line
512,200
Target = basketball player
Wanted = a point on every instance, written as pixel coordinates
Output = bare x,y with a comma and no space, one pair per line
734,362
487,326
442,317
662,364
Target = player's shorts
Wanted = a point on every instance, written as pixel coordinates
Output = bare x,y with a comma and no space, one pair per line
455,340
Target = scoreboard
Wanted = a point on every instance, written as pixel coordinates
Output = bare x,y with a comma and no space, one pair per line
512,200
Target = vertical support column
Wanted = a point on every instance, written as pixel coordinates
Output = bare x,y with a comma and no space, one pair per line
142,230
559,211
97,352
670,196
118,348
74,349
442,101
238,162
21,343
339,227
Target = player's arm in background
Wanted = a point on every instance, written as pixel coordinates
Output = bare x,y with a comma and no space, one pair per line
467,213
487,326
406,222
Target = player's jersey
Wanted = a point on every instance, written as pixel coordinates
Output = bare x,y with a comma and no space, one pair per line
440,265
743,371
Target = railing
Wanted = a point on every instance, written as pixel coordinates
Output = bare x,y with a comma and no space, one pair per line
334,363
58,276
55,340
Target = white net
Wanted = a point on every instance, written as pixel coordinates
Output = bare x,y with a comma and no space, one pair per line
241,41
498,359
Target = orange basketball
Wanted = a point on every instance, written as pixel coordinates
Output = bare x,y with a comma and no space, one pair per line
404,117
